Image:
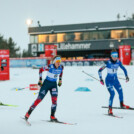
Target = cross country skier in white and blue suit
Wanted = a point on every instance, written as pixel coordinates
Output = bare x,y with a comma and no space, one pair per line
111,80
49,84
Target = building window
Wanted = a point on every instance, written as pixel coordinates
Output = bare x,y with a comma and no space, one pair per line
43,39
117,34
61,37
86,36
131,33
94,35
52,38
69,37
33,39
104,35
78,36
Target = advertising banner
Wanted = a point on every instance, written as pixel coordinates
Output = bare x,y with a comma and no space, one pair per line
125,54
4,65
83,63
27,62
50,50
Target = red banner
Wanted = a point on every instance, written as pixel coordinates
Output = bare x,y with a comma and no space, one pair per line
125,54
4,65
50,50
34,87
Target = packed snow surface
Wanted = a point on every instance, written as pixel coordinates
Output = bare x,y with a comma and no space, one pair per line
83,108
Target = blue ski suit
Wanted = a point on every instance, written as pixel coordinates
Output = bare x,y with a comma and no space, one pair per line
49,84
112,79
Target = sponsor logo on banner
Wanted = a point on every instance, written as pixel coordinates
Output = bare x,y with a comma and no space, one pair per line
111,45
3,73
73,46
40,47
84,63
34,87
2,56
3,52
68,63
34,49
4,61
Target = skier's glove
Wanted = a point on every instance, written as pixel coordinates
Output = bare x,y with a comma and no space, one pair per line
40,83
127,78
60,83
101,81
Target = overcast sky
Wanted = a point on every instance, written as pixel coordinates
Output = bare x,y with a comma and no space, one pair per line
14,13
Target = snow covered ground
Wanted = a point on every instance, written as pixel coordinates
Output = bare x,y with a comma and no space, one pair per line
83,108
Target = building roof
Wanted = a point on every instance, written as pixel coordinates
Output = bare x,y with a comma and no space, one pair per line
82,27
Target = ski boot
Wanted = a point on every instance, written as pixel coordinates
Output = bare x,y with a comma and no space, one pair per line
122,105
53,119
110,111
28,114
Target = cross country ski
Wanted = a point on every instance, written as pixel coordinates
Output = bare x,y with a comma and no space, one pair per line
60,122
112,115
2,104
130,108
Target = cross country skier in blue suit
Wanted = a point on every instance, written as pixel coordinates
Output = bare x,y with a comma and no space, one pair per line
49,84
112,80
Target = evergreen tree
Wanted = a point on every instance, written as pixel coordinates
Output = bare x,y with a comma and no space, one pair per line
13,49
9,44
133,16
26,53
3,43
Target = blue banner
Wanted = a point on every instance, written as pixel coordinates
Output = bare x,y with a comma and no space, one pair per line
27,62
83,63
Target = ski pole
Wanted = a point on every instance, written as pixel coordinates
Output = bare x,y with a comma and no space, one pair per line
97,79
21,88
122,78
90,75
36,93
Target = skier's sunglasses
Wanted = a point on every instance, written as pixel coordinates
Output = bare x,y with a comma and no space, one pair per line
114,54
58,61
